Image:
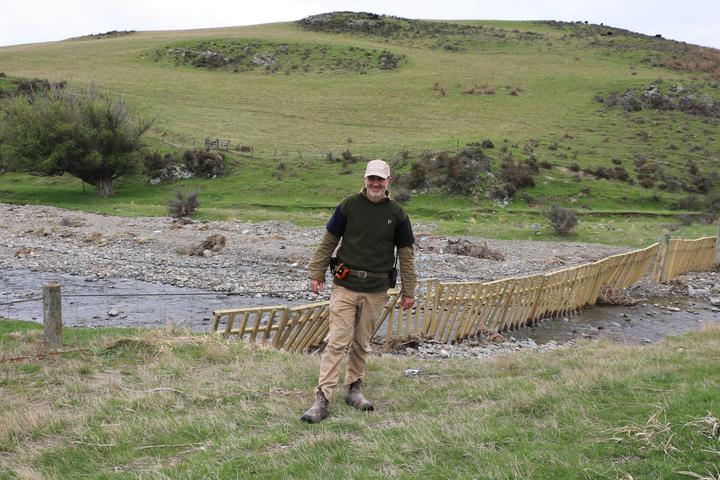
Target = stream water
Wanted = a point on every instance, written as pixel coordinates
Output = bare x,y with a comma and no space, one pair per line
642,323
121,302
116,302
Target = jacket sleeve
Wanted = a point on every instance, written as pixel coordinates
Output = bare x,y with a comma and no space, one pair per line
408,275
321,259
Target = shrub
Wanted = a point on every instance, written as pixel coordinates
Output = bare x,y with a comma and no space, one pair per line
619,173
460,173
401,195
562,220
599,172
183,205
155,163
670,184
280,171
575,167
646,182
204,163
685,219
518,175
502,192
417,177
712,203
701,183
347,156
691,202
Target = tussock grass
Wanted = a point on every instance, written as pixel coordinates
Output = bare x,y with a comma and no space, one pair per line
169,404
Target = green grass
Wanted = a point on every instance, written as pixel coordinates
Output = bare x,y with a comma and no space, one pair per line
298,118
160,404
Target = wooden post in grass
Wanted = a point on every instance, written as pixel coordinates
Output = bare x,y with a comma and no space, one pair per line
717,246
52,315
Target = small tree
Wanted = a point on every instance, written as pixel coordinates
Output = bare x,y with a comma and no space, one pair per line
562,220
58,131
183,205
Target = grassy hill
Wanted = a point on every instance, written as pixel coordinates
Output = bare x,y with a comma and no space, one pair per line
299,94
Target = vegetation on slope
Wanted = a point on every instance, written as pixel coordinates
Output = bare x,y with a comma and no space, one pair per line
536,98
273,57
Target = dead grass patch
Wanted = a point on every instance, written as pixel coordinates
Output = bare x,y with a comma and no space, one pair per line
707,426
473,249
655,434
483,89
610,295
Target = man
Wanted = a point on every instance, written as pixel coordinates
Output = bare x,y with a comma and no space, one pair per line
371,226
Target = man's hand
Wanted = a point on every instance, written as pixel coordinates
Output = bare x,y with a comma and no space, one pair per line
407,302
316,285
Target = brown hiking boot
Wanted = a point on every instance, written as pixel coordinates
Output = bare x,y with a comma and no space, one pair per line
319,410
357,399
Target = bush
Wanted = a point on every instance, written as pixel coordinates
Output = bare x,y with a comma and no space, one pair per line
502,192
646,182
155,163
712,203
460,173
670,184
691,202
518,175
183,205
204,163
562,220
619,173
701,183
685,219
401,195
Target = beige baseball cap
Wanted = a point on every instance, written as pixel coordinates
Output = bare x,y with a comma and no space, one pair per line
378,168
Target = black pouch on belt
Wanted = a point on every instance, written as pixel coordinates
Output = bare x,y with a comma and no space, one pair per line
392,276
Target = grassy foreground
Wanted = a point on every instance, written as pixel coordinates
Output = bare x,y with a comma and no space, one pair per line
168,404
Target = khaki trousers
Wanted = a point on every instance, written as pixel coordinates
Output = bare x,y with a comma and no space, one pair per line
352,322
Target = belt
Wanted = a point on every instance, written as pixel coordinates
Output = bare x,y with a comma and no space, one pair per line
364,274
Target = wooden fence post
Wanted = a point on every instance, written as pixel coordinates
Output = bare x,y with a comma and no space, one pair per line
659,275
717,246
52,315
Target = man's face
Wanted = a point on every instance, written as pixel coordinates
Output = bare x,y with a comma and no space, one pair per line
376,187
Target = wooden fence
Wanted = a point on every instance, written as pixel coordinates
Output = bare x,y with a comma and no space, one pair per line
217,144
677,256
452,311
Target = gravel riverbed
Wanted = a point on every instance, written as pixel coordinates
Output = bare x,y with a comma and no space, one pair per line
257,257
268,259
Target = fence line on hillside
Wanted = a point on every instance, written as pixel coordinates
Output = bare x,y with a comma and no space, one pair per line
452,311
